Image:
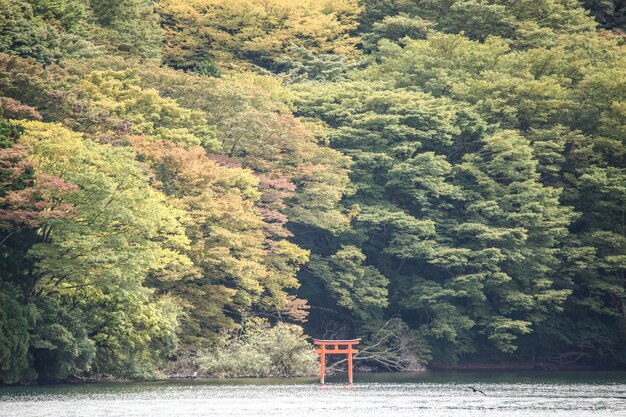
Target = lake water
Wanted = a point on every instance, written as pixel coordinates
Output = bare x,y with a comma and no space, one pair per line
381,395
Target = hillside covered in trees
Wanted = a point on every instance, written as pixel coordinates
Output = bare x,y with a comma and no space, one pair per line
197,185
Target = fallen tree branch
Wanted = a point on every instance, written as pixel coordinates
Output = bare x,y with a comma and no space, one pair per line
393,347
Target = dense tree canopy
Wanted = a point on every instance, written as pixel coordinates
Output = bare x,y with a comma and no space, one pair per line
474,152
185,182
240,33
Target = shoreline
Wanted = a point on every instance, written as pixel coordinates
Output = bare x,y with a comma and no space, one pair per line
477,368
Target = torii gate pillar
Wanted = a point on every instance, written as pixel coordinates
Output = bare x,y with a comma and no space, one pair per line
335,347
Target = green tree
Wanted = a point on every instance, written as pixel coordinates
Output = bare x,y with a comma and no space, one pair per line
237,269
112,104
79,260
610,14
526,23
456,218
59,342
14,338
44,30
237,33
128,26
356,287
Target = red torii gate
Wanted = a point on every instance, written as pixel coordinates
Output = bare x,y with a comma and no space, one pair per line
336,350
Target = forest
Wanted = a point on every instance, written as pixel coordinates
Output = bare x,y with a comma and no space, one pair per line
201,186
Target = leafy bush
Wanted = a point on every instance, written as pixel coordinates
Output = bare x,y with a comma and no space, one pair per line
261,351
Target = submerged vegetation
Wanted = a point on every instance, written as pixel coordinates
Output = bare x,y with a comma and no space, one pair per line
198,184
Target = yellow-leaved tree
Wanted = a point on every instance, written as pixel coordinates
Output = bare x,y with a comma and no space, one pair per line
241,33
